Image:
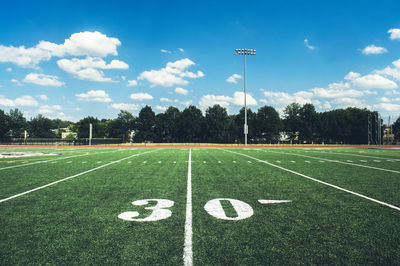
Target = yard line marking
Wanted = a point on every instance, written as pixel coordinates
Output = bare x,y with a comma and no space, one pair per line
336,161
70,177
307,161
293,161
187,249
352,154
51,160
364,161
350,161
278,161
320,181
377,161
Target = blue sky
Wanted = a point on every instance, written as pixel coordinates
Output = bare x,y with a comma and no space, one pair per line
68,59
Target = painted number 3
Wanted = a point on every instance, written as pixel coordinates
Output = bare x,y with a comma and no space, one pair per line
160,210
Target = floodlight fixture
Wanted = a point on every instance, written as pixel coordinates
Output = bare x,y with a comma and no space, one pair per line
245,52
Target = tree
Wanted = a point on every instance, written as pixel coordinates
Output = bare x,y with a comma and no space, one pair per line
128,122
145,125
82,127
17,123
396,129
40,127
112,128
191,125
251,123
268,125
308,123
217,124
292,121
4,124
172,116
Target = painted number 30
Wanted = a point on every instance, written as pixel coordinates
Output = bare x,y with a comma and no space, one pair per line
160,210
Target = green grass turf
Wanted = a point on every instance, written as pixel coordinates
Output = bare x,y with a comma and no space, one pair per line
76,221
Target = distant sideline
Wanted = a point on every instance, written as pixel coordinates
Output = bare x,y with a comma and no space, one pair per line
199,145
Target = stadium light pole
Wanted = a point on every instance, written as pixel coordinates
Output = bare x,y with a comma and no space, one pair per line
245,52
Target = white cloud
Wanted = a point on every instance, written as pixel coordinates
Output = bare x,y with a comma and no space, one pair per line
306,44
165,100
132,83
233,78
78,44
335,93
394,34
173,74
43,80
371,81
186,103
94,96
372,49
16,82
385,100
181,91
181,50
141,96
161,108
389,107
165,51
238,99
49,109
6,102
282,99
43,97
125,106
26,100
88,68
9,69
210,100
225,101
348,102
393,72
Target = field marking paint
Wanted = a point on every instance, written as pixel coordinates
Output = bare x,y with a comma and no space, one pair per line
187,249
52,160
70,177
320,181
263,201
336,161
352,154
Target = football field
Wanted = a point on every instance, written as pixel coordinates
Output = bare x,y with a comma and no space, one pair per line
200,206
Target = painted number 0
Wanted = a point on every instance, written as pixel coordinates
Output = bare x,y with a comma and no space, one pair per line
243,210
159,211
213,207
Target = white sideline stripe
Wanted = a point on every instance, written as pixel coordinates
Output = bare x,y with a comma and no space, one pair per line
70,177
187,249
52,160
322,182
352,154
336,161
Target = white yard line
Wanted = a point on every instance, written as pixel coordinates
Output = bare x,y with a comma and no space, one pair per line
352,154
51,160
70,177
187,249
319,181
336,161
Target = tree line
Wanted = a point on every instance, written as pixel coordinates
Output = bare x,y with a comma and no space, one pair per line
299,124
